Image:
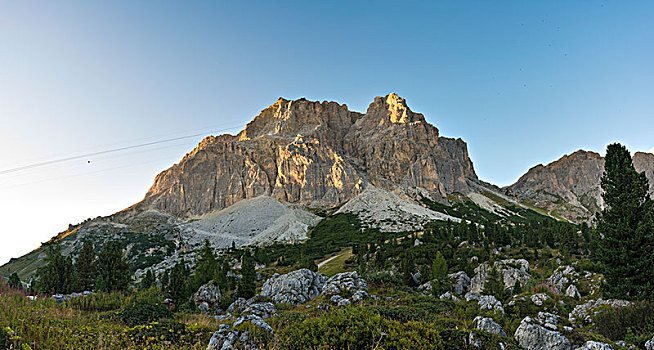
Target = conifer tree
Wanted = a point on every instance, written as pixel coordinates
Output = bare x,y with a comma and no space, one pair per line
247,286
148,280
113,267
439,275
206,266
627,226
85,267
56,276
178,289
494,284
14,281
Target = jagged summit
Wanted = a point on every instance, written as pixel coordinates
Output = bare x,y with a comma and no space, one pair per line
315,154
393,109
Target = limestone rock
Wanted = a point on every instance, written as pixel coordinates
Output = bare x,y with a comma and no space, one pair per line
345,281
593,345
488,324
208,297
460,282
512,270
584,312
649,345
295,287
539,298
256,321
489,302
316,154
530,335
561,277
572,292
263,310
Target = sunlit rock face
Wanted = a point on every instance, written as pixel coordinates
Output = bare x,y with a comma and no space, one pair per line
317,154
571,185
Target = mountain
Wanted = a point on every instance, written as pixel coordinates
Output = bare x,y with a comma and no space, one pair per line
570,187
314,154
295,163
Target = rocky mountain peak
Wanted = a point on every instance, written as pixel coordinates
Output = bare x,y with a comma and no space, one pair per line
315,154
287,118
392,109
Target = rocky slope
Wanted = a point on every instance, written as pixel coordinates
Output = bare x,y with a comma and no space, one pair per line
570,186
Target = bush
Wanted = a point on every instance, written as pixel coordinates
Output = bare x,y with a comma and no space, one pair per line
157,332
140,314
615,324
144,307
356,328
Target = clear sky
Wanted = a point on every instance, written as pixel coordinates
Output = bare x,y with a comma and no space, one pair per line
523,82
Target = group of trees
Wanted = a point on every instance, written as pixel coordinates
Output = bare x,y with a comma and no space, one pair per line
108,270
180,283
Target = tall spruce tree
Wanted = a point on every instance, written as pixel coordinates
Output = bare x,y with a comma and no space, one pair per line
112,266
439,275
494,285
627,226
178,289
247,286
56,275
85,267
205,267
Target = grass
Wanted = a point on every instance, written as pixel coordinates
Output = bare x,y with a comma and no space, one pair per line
42,324
336,265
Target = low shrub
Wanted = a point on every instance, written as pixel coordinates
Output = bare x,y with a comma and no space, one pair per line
616,323
356,328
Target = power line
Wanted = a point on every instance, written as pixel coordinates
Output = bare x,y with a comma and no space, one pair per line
61,160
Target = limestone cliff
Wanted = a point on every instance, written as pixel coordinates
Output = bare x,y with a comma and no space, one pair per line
315,154
570,186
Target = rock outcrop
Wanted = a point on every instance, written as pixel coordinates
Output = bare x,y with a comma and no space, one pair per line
531,335
345,281
460,282
488,324
208,297
295,287
584,312
593,345
512,270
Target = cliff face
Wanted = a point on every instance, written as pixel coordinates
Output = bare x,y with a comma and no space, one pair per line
315,154
570,186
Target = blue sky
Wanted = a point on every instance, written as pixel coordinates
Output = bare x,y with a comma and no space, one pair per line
522,82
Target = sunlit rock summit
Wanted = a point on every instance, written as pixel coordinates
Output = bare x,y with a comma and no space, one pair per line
315,154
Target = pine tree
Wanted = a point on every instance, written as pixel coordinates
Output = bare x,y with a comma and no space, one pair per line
206,266
85,267
439,274
14,281
56,276
113,267
220,276
247,286
494,284
164,279
148,280
627,226
178,289
408,267
308,263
